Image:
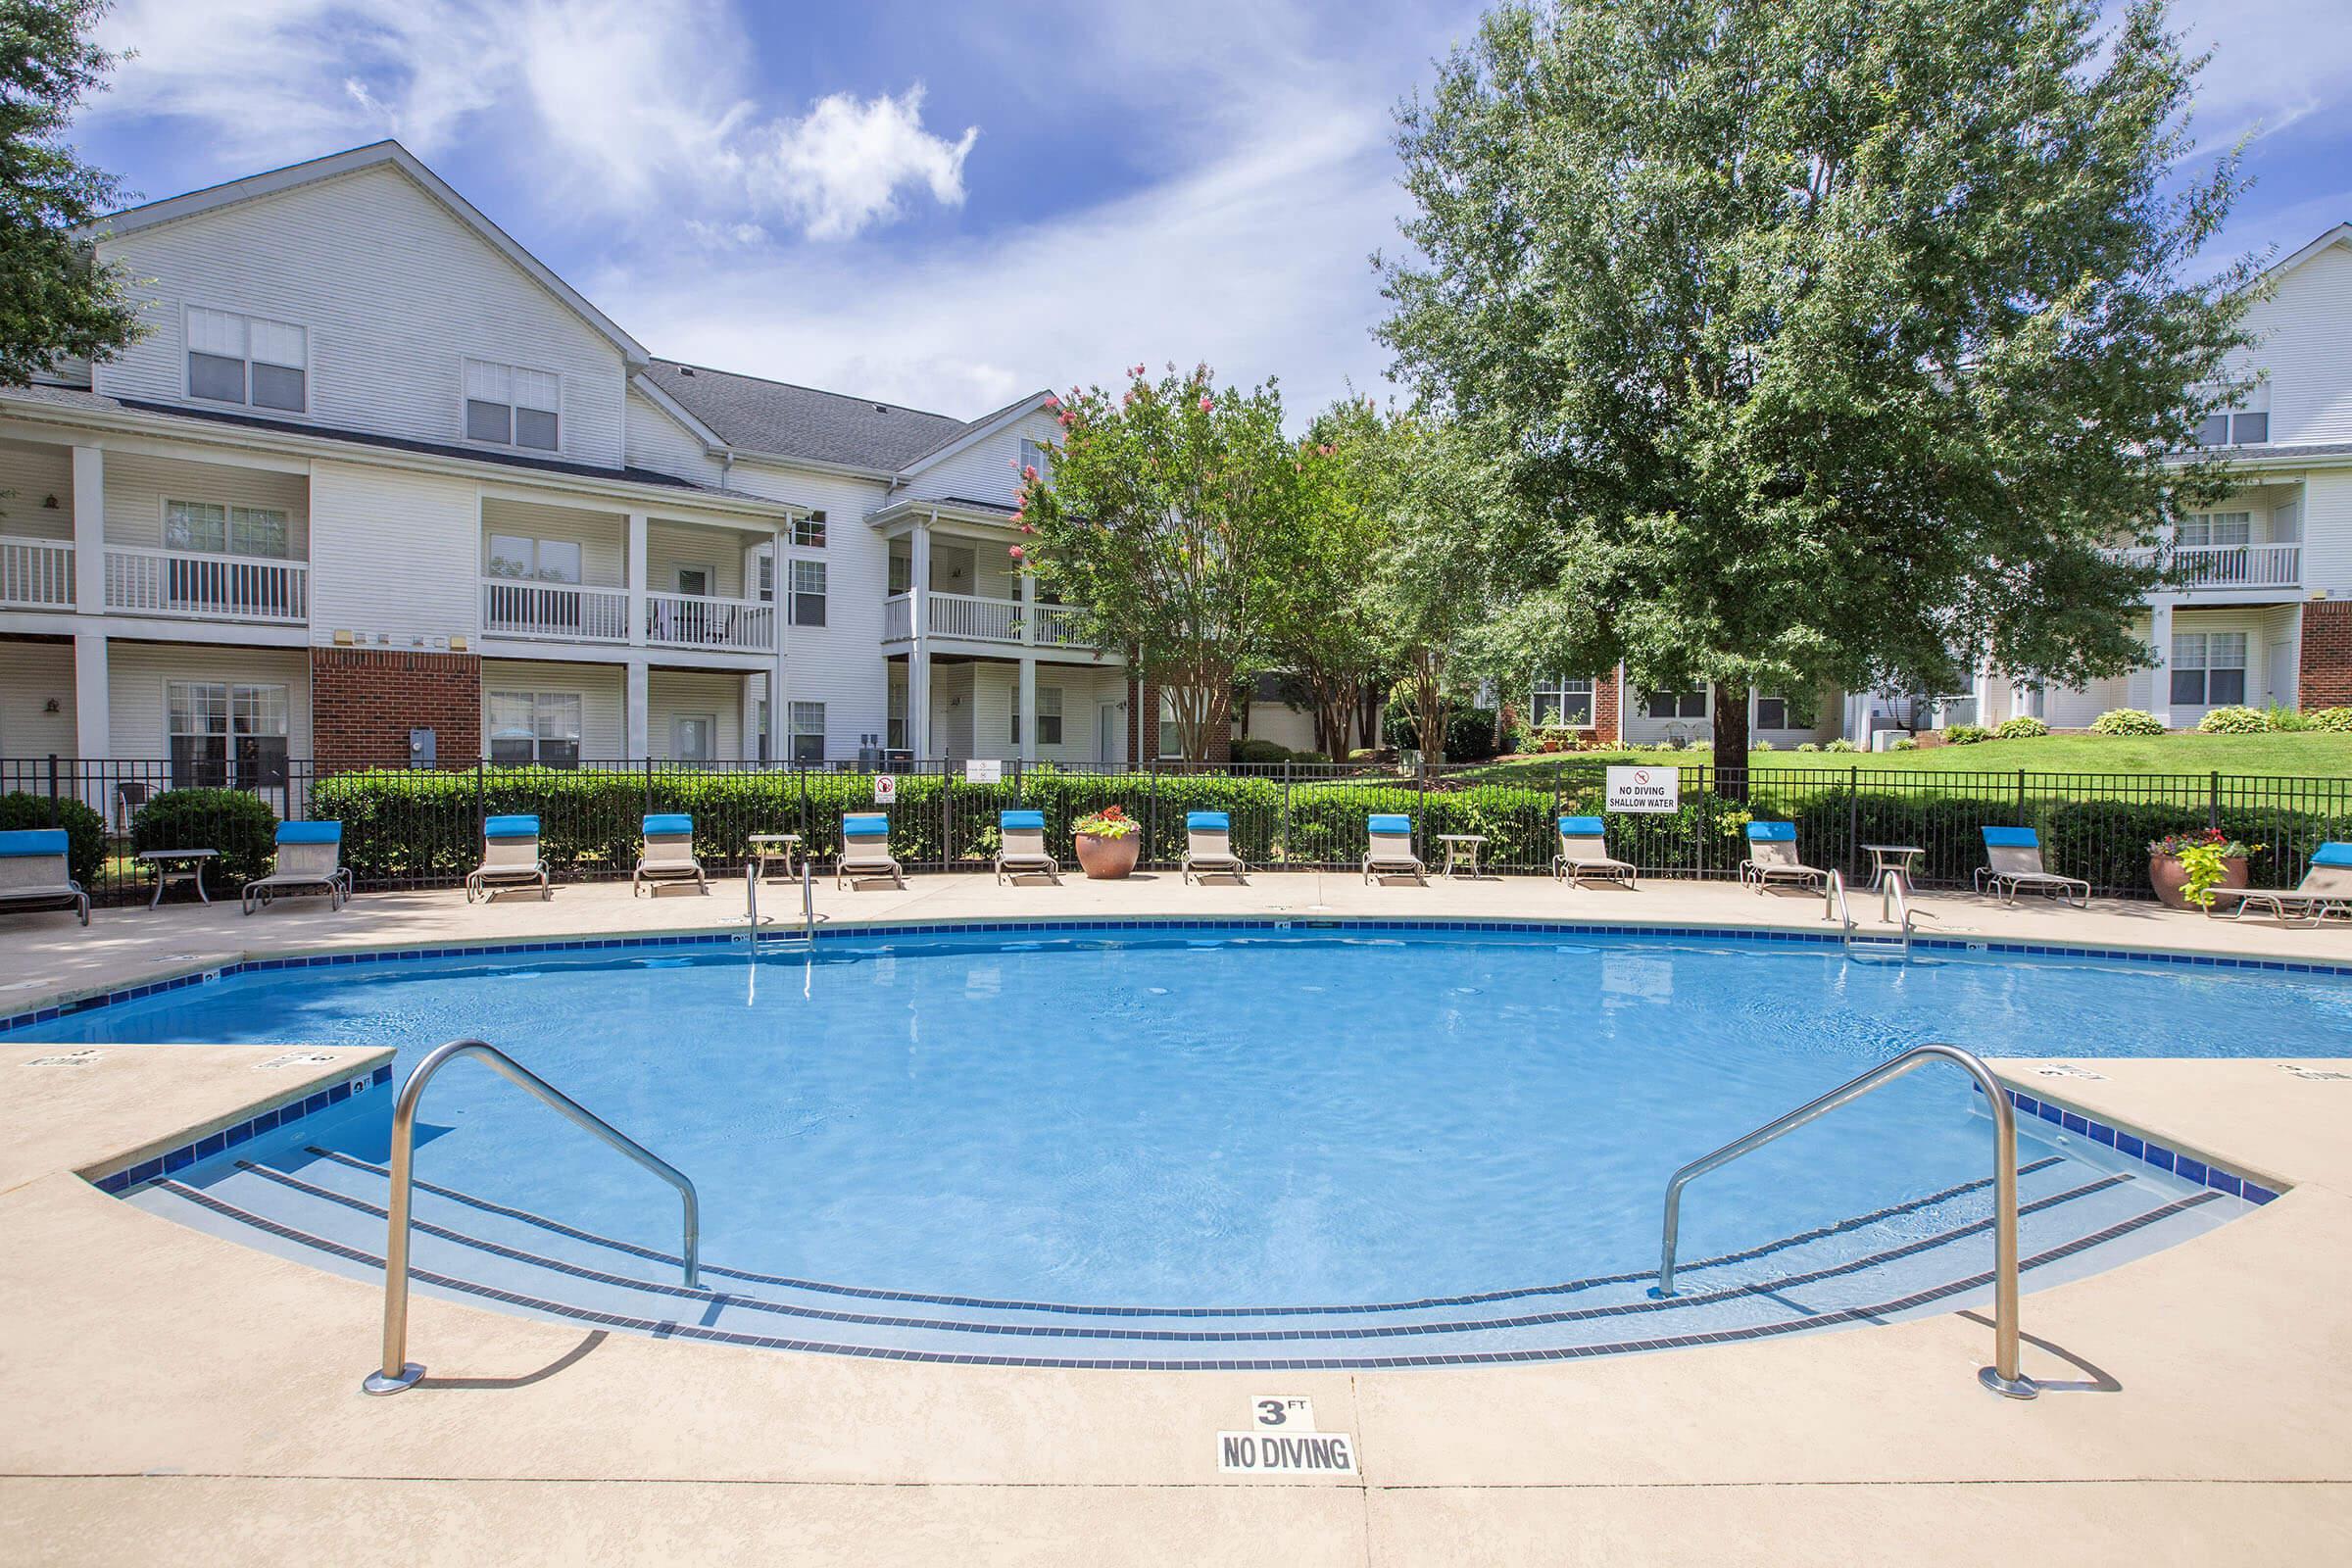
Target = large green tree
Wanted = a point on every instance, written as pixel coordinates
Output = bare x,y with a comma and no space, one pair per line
1327,636
56,302
1834,343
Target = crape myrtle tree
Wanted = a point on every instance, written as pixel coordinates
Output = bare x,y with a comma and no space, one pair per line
1823,344
1327,635
1171,517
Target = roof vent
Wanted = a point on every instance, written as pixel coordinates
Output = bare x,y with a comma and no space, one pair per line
685,370
881,407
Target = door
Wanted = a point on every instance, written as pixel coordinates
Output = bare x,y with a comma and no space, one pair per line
691,736
694,618
1106,732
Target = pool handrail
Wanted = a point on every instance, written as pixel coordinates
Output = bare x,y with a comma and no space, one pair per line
398,1372
2003,1376
1895,908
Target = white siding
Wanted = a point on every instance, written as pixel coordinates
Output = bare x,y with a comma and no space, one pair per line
1283,724
2305,330
393,551
603,692
33,676
987,470
602,536
137,487
2324,514
661,443
670,693
139,673
30,475
395,292
1082,687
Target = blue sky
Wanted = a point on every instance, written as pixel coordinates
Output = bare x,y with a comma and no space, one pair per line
950,205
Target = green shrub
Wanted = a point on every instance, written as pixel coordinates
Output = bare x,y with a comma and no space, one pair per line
1906,744
236,822
1841,744
1965,734
2126,721
2335,721
2284,719
1255,752
1759,744
2233,722
1469,731
86,829
2023,727
1808,746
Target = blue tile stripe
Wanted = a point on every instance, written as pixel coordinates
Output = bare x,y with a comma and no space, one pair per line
2132,1147
173,1160
1238,922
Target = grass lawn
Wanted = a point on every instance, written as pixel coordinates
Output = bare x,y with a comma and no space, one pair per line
2303,754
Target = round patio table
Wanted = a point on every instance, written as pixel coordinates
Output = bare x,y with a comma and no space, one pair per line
192,861
1893,861
767,847
1460,847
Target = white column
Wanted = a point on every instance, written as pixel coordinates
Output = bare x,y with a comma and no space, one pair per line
918,658
637,582
2160,632
639,743
747,734
89,542
1981,690
776,673
1025,697
93,723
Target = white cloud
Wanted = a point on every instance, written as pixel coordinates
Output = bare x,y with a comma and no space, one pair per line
841,167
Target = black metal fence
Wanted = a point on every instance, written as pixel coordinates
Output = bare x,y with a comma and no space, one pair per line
410,828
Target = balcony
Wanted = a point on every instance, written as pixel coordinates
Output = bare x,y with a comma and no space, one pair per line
969,617
207,587
716,625
35,573
2227,566
561,612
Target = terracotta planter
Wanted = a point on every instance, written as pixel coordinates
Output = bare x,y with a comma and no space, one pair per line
2169,878
1105,859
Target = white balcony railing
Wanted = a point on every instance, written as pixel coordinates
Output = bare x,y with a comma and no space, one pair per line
898,617
1057,626
2195,567
562,611
723,625
974,618
37,574
211,587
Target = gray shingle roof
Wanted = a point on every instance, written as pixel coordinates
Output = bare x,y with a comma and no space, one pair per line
802,422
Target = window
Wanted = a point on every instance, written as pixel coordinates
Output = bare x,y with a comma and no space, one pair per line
1037,455
808,533
1563,704
807,593
2209,669
511,407
1781,711
1049,717
808,732
692,736
1675,704
902,575
206,529
534,559
1171,744
694,581
767,745
227,736
2247,425
542,727
243,359
894,721
2217,528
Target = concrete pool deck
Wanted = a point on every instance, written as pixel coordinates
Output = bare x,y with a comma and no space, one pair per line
172,1394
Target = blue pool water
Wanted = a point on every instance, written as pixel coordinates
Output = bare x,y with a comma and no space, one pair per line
1220,1116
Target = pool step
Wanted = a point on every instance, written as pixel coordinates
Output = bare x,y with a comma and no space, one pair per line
1929,1253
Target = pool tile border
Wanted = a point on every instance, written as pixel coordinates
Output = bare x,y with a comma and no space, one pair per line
2147,1150
221,1139
1276,922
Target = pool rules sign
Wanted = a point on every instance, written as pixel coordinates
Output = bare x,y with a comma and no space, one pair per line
1281,1441
1646,789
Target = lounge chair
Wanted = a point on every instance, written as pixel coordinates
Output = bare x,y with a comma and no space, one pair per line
2013,861
509,859
1772,857
2326,890
36,874
866,849
1585,852
1391,850
667,855
1208,848
1021,845
308,861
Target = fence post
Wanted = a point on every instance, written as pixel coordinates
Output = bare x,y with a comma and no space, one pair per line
1286,813
947,817
56,813
1853,818
1151,807
2021,797
2212,801
649,781
1698,823
481,816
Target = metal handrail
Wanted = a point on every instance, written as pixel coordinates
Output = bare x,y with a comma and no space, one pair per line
398,1372
2004,1375
750,901
1894,907
1833,901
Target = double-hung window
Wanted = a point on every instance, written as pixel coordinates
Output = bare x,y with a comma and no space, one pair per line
807,593
247,360
1171,742
2217,528
510,406
1049,717
1776,711
1562,704
534,559
542,727
1037,455
225,735
206,527
2248,423
2209,669
894,725
1675,704
808,732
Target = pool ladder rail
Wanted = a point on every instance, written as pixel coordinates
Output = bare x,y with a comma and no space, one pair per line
1895,908
2003,1377
398,1372
750,901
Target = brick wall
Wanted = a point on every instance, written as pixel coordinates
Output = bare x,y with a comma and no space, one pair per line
2326,675
1606,729
364,701
1143,727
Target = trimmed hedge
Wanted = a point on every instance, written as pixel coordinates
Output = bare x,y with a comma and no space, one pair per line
237,822
86,829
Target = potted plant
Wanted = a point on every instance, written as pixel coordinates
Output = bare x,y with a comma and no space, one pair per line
1109,842
2186,868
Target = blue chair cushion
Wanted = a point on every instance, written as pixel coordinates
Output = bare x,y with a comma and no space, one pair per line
668,822
1019,821
2011,838
1390,823
310,832
1772,832
33,841
510,827
1582,827
2330,854
865,825
1208,821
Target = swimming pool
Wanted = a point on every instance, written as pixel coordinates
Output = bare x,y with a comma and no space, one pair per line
1158,1122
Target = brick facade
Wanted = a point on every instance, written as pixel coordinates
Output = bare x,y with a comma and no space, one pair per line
364,701
1143,727
2326,674
1607,727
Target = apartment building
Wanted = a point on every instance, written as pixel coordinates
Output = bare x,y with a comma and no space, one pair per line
378,486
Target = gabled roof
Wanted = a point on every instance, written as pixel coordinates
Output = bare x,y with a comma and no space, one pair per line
778,419
979,429
358,160
2340,234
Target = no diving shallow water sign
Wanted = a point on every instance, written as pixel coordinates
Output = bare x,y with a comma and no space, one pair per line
1281,1441
1645,789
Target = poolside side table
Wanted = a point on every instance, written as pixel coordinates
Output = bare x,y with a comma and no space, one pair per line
767,847
1893,861
191,859
1462,847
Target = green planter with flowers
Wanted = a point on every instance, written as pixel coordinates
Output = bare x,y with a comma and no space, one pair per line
2187,869
1109,842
